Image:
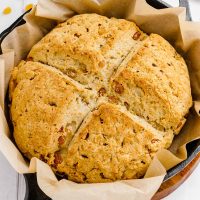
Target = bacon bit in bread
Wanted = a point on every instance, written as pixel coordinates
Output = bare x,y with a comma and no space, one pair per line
119,88
101,92
136,35
126,105
57,158
154,141
61,129
71,73
61,140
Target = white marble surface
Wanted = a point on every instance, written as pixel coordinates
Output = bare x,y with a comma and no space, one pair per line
12,185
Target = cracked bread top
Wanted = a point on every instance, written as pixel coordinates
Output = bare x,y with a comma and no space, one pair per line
101,152
46,108
88,47
63,99
154,84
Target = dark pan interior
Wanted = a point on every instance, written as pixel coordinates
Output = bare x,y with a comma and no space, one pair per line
33,191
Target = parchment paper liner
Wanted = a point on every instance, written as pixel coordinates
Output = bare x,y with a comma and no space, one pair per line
169,23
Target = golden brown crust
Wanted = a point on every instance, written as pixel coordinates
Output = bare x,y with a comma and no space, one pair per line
88,61
46,108
154,82
111,145
88,47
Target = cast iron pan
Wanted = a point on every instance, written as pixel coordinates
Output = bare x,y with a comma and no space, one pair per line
33,192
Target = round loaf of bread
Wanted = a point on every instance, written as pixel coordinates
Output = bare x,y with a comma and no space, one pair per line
96,98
